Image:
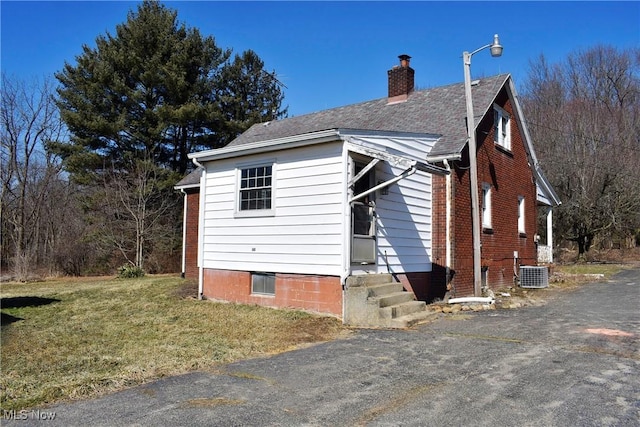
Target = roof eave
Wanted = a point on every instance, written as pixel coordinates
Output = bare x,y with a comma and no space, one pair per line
186,186
258,147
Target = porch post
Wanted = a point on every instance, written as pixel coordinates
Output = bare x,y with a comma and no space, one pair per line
550,232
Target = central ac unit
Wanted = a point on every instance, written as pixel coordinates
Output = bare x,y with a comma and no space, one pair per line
534,277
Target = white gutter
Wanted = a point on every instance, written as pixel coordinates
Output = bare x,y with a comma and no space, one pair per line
258,147
346,226
184,187
200,244
444,157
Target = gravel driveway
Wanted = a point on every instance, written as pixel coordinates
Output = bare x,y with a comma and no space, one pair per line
572,362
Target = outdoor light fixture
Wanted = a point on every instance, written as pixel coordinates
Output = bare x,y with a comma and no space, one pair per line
496,50
496,47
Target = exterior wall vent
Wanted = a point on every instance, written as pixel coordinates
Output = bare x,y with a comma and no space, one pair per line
534,277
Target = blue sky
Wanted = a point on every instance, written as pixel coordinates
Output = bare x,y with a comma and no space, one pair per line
330,54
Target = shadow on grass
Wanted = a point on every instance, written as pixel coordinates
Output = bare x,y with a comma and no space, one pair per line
19,302
8,319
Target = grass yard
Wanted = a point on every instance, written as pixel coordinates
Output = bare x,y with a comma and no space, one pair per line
78,338
569,276
607,269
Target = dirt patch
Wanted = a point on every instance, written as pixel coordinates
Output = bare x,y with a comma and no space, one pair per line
188,289
609,332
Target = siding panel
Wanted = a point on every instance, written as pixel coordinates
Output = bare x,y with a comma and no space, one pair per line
404,215
303,236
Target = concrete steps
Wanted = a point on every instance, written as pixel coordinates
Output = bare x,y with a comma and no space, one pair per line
376,301
413,319
393,298
385,288
402,309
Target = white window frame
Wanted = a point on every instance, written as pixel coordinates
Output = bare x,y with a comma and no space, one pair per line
501,127
521,215
484,277
255,212
486,205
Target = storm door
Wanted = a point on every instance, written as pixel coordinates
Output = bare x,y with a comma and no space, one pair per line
363,215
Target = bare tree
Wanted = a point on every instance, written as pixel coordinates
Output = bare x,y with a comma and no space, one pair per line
134,209
584,118
29,120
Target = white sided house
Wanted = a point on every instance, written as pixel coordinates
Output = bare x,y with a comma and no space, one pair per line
312,211
284,222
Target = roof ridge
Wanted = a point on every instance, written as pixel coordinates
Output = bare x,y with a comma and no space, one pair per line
495,76
434,110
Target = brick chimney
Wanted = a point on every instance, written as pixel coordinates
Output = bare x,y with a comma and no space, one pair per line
400,80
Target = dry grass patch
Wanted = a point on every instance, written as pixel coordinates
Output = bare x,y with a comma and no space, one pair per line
81,338
569,276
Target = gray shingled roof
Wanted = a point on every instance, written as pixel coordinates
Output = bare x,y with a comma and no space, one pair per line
191,180
440,110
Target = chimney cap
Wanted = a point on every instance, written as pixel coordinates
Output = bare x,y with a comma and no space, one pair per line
404,60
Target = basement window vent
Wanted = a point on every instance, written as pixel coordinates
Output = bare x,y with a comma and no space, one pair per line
263,283
534,277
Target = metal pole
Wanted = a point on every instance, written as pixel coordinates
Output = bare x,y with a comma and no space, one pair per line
473,167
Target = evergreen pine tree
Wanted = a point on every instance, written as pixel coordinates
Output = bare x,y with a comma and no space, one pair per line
153,90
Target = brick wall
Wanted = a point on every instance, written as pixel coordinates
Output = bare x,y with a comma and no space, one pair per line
510,176
462,283
191,226
321,294
438,279
427,286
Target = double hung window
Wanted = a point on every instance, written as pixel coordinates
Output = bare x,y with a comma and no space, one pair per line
256,188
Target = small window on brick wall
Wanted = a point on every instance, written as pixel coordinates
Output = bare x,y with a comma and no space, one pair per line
501,127
263,283
521,215
486,206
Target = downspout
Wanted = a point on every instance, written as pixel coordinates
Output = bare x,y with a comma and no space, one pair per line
448,254
184,233
346,227
201,203
550,233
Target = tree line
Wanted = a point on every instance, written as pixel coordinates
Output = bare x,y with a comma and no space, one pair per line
584,117
90,156
89,160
